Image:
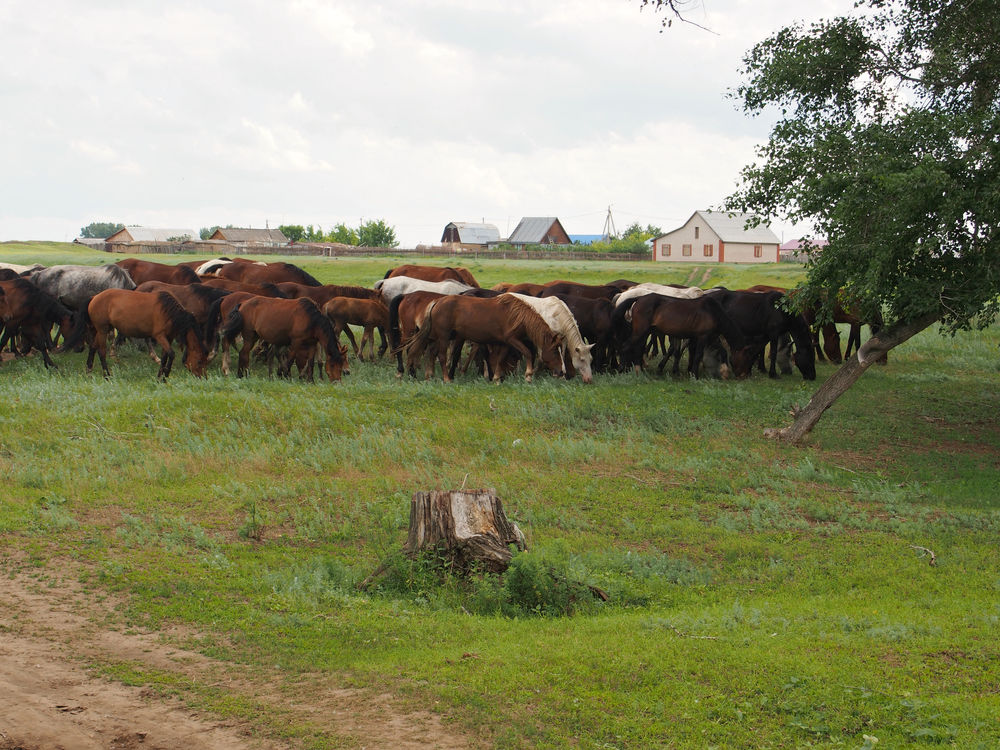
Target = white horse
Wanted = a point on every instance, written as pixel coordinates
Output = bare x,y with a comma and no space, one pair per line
19,269
559,318
397,285
686,292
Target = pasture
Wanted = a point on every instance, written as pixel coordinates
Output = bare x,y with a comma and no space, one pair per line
761,595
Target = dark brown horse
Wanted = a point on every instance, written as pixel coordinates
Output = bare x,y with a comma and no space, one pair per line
434,273
697,320
142,271
504,320
524,287
591,291
155,315
27,313
268,273
323,294
295,323
260,290
370,314
197,299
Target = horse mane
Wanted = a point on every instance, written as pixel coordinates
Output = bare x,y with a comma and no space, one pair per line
188,276
307,278
207,294
563,319
522,314
273,290
180,319
120,275
318,320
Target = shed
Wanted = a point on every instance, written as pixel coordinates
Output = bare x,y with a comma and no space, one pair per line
539,230
718,237
151,234
468,233
792,250
242,236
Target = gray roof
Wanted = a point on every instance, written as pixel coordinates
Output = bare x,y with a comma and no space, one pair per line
253,235
475,234
729,225
531,230
157,234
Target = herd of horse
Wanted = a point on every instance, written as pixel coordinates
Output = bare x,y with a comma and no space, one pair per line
423,314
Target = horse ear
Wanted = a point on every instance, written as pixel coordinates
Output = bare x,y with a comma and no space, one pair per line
590,346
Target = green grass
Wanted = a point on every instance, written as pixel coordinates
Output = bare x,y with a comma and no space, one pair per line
760,594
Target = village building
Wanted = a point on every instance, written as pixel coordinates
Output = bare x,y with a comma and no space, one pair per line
717,237
151,235
793,249
539,230
469,235
258,237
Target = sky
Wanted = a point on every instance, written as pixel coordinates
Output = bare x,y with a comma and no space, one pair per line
415,112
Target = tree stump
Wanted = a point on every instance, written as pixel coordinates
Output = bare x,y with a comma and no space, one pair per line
468,526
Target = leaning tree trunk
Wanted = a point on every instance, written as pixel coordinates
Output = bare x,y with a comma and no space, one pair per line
852,369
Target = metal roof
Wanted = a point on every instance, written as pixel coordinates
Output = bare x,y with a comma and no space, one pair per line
252,235
154,234
531,230
474,234
730,226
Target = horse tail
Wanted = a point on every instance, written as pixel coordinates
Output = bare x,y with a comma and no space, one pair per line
212,323
394,333
388,272
621,327
422,336
79,332
234,325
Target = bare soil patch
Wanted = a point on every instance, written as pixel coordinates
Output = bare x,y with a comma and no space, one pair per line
50,628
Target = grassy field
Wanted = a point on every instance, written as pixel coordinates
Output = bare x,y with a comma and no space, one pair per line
761,595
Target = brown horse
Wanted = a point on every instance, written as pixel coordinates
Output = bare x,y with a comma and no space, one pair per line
260,290
268,273
28,313
295,323
155,315
344,312
697,320
323,294
405,313
503,320
434,273
146,270
197,299
525,287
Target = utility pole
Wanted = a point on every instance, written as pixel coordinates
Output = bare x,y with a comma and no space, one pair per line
609,226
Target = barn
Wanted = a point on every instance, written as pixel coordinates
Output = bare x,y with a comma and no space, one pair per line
539,230
151,234
468,234
717,237
240,236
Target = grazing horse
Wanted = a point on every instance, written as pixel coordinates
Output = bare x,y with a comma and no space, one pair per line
503,320
203,267
260,290
697,320
593,317
397,285
405,313
560,319
433,273
75,286
146,270
344,312
197,299
28,312
20,270
323,294
295,323
267,273
762,320
155,315
592,291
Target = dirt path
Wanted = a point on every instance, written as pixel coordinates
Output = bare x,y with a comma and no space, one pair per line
48,700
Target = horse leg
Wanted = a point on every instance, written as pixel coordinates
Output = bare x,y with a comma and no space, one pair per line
243,363
152,351
350,337
385,343
696,348
772,370
853,339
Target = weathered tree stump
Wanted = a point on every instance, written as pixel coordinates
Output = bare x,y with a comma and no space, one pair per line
469,527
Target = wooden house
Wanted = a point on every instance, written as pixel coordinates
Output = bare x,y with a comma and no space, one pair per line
240,236
469,235
539,230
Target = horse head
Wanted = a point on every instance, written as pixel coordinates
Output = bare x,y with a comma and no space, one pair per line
551,354
742,361
582,360
195,355
336,367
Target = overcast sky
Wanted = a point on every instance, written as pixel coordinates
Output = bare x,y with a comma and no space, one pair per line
418,112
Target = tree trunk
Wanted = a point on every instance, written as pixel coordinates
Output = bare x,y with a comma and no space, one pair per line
468,526
852,369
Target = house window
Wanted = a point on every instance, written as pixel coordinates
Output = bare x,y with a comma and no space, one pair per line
709,250
665,249
758,251
696,232
685,250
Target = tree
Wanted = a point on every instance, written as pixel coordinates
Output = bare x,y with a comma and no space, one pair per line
294,232
889,143
343,234
376,233
100,230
